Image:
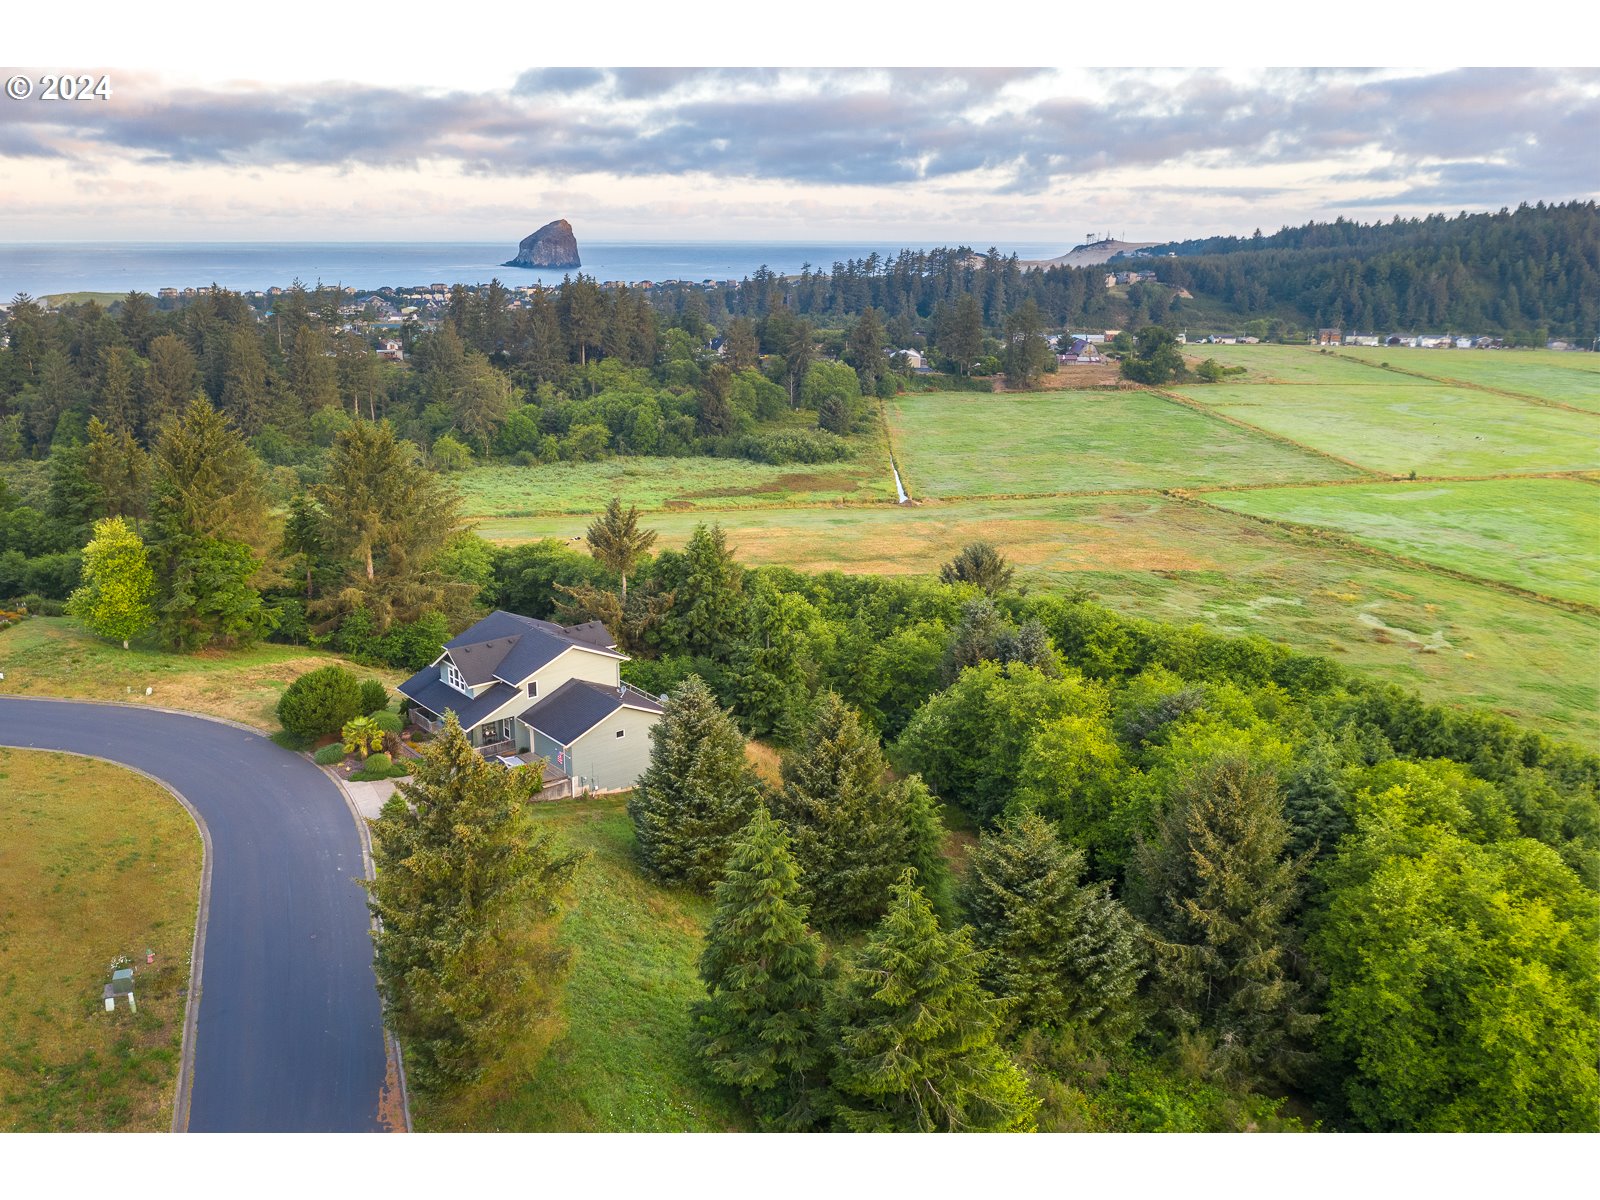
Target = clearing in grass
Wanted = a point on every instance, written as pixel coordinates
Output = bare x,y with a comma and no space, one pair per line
56,656
966,444
1151,556
1539,534
95,863
1421,427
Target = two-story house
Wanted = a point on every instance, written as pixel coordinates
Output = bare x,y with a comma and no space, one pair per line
525,689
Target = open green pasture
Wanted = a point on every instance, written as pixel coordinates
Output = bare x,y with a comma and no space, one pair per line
1286,364
668,483
1563,376
1427,428
968,444
1540,534
1189,562
95,863
624,1062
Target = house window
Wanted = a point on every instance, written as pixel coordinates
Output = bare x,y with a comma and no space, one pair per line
533,687
620,732
453,677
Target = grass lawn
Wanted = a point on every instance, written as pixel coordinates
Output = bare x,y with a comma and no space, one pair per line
1540,534
56,656
673,483
964,444
1289,364
624,1062
1426,428
1548,374
1449,639
95,862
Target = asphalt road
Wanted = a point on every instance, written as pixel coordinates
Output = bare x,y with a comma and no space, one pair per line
290,1033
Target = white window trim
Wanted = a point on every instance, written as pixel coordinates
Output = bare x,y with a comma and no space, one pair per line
454,678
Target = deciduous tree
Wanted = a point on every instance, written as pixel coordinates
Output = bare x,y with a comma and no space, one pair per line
118,584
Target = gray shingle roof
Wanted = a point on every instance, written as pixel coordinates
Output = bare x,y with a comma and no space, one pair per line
435,695
513,647
578,705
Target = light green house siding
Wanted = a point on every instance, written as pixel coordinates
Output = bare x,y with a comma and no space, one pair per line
603,762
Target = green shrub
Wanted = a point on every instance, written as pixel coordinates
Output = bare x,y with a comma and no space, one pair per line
320,702
374,696
330,754
388,722
379,761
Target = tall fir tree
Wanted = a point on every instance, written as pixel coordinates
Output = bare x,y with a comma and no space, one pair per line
761,1027
697,793
917,1047
387,517
1065,953
467,893
852,826
1216,887
709,589
617,542
212,532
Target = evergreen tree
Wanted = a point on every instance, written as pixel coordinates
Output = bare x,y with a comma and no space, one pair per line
774,662
119,470
212,531
1065,953
697,792
864,350
245,395
118,401
387,517
617,542
1314,801
760,1029
118,585
851,829
916,1033
1027,353
1216,887
313,374
961,338
467,893
980,564
739,350
709,609
170,384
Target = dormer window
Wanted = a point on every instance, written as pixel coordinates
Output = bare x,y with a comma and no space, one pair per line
452,676
533,687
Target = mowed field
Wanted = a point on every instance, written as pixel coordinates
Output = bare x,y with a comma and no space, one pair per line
969,444
1561,376
95,863
1428,428
671,483
1538,534
1311,441
1191,562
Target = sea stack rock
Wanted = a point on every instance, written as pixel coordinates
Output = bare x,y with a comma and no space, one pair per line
552,247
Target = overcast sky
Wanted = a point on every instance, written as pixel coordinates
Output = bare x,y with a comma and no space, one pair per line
381,146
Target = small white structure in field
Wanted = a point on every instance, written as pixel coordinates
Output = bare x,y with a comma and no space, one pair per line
121,985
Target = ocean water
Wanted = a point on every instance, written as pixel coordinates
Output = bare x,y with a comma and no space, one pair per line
51,268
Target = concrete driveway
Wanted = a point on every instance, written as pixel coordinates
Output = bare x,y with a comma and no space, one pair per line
290,1031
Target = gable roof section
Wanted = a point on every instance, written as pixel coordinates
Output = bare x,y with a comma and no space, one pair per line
528,645
578,705
435,695
477,662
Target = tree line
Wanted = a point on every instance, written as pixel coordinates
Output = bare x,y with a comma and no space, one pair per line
1208,872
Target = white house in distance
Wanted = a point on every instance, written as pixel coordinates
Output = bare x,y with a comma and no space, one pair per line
525,689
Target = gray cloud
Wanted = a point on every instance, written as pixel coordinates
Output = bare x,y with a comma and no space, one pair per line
1503,134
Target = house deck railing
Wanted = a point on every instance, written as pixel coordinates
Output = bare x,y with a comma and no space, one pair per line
495,749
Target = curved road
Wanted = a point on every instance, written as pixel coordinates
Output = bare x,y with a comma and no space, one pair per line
290,1032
